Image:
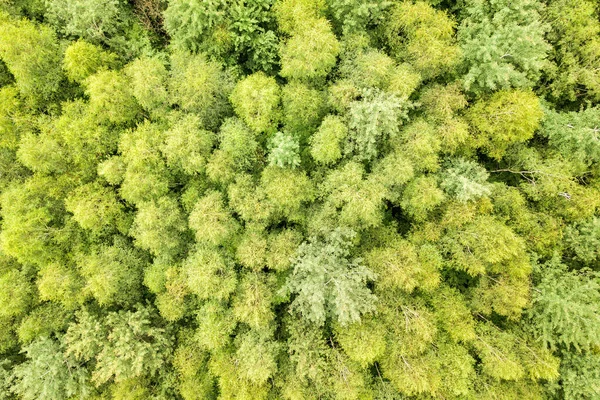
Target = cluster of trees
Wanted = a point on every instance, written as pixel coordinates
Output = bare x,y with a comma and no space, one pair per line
299,199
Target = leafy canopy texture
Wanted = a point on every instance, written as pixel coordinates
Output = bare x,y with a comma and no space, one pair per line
327,283
299,200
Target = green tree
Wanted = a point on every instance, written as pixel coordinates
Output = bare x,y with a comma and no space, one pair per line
288,191
573,33
353,16
508,117
564,312
420,143
237,32
421,196
215,325
311,51
61,283
255,357
291,14
125,344
97,208
285,151
187,147
579,374
239,150
582,241
465,180
372,120
253,301
190,24
211,221
17,294
47,373
145,176
419,34
31,221
43,321
256,100
326,143
96,21
503,44
209,274
148,77
32,55
328,284
358,198
159,227
199,86
573,135
400,264
83,59
111,98
113,273
303,108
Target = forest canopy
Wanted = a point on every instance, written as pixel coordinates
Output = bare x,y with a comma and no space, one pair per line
299,199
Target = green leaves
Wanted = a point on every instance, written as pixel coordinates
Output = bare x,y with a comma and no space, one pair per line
421,35
113,273
189,23
284,151
574,29
574,135
327,283
256,100
111,98
373,120
465,180
159,227
209,274
47,374
508,117
199,86
211,221
326,143
299,199
564,308
124,345
132,348
310,53
33,57
97,208
93,20
16,295
83,59
187,146
503,44
402,265
509,357
235,32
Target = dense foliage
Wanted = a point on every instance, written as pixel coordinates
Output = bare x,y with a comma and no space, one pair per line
299,199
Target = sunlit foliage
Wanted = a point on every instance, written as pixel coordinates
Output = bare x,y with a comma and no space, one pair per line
299,199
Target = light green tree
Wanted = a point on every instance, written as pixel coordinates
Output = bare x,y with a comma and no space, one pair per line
160,227
33,56
83,59
503,44
256,101
419,34
199,86
311,51
508,117
329,284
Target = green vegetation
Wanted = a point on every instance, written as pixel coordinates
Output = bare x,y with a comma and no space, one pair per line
299,199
